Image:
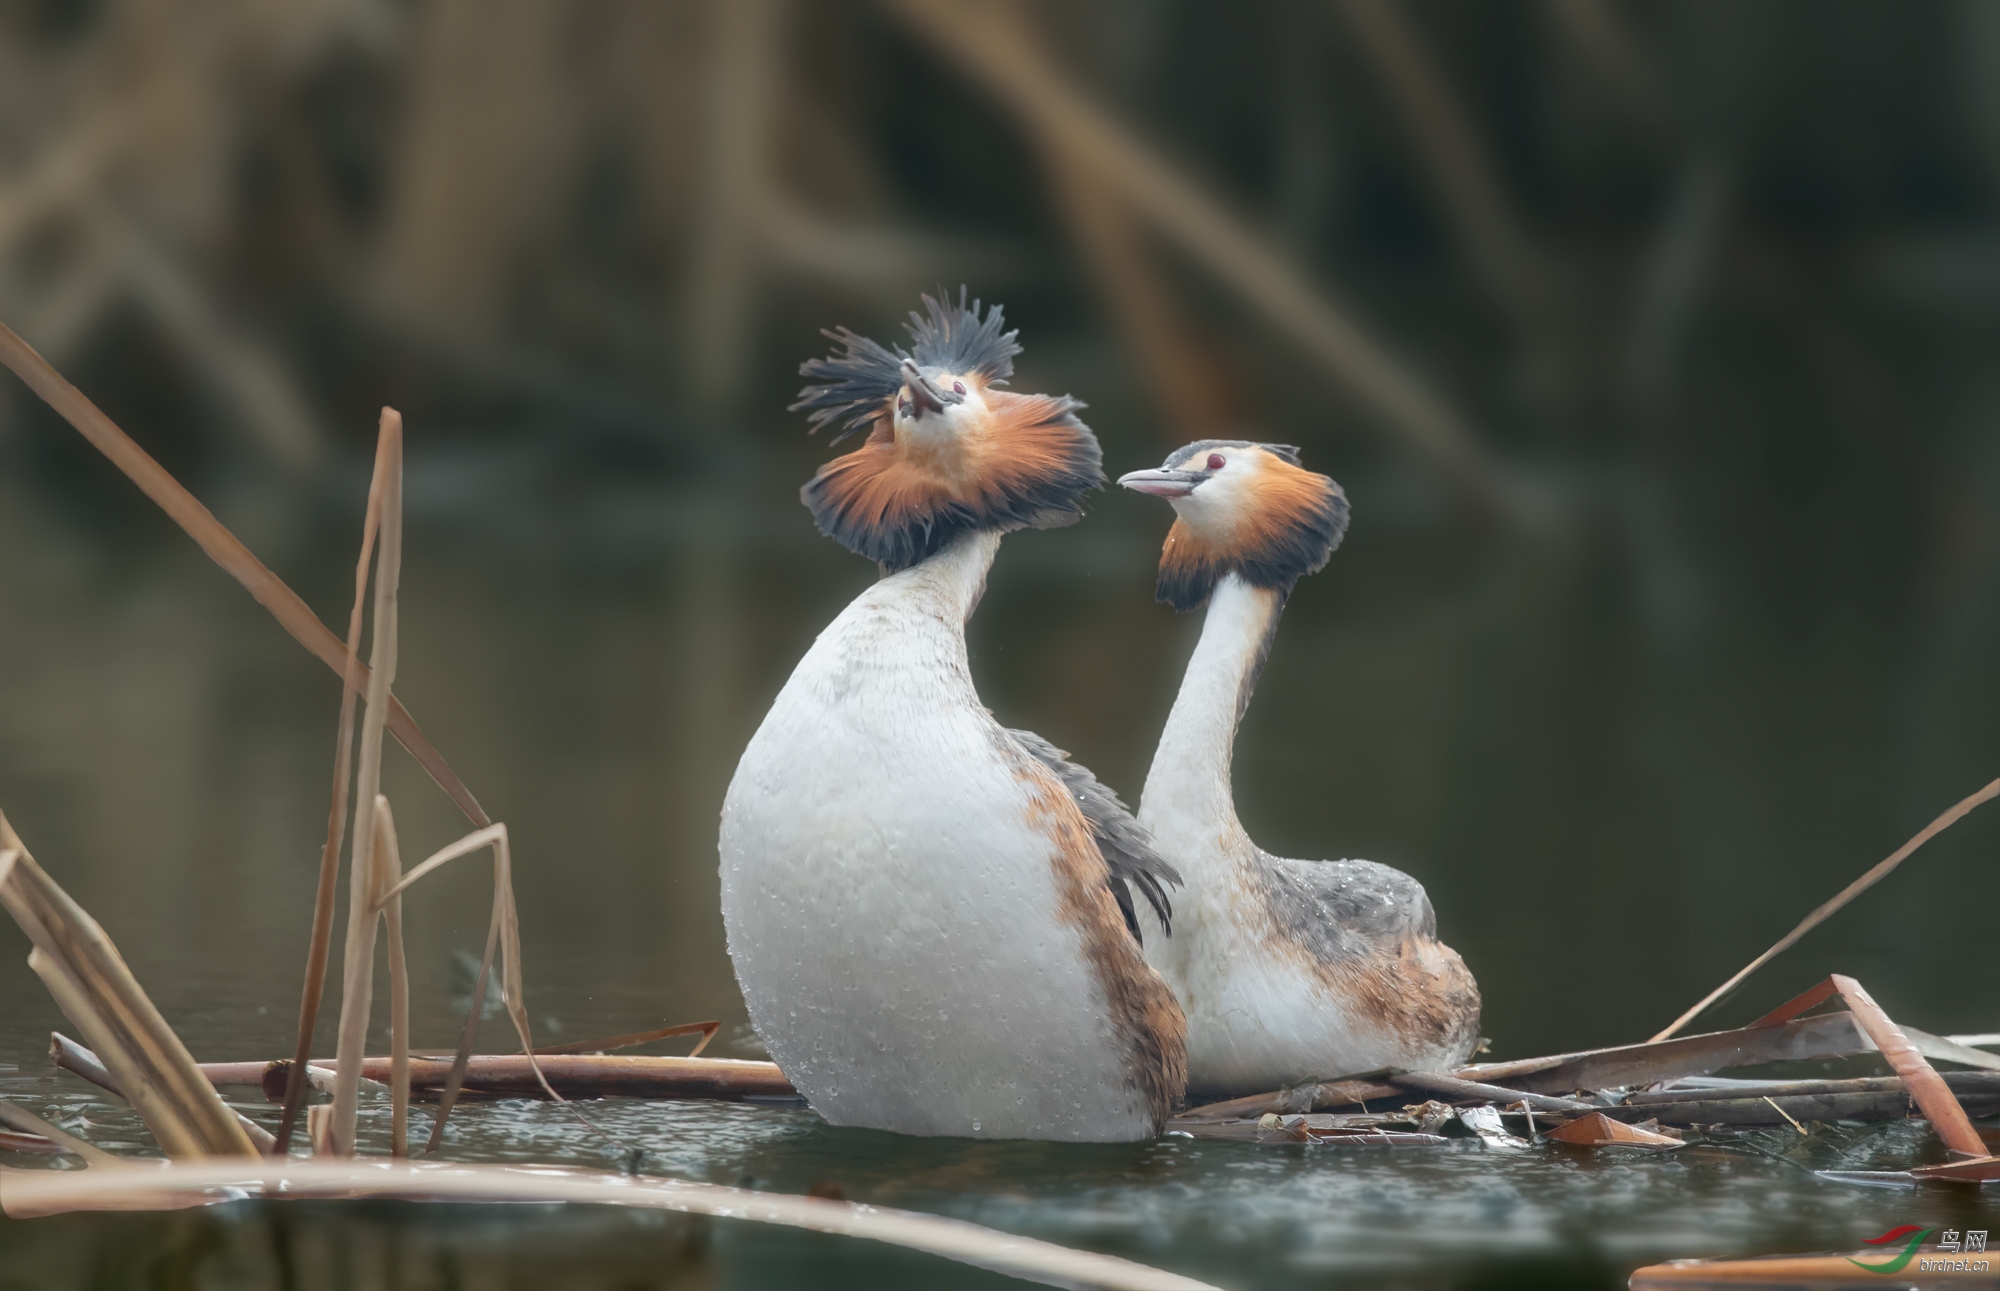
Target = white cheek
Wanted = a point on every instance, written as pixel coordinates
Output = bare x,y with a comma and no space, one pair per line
1213,509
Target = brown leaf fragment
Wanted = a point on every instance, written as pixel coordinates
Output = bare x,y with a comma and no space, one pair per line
1599,1131
1977,1170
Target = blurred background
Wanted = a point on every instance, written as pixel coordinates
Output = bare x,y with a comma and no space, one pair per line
1649,340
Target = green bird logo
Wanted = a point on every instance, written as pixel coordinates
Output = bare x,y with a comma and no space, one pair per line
1895,1263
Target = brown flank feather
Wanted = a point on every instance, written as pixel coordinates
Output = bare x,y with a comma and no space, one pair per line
1144,1015
1420,991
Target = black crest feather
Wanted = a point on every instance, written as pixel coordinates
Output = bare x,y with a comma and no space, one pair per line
1285,452
853,385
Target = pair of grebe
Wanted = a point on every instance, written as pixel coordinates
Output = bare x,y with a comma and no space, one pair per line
942,926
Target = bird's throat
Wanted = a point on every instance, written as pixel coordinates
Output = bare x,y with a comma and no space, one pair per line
1188,790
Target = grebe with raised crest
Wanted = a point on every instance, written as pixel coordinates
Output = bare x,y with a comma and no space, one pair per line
931,916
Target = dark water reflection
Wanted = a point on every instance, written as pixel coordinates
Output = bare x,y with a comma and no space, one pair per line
1610,813
1243,1216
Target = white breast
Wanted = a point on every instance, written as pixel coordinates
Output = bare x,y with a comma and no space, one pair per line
892,915
1257,1019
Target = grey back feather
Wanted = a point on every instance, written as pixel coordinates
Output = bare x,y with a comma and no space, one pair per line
1124,842
1339,909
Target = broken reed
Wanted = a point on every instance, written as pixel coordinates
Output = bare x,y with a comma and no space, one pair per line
91,985
376,882
321,943
357,979
384,712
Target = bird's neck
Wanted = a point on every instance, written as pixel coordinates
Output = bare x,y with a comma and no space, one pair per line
1188,788
948,584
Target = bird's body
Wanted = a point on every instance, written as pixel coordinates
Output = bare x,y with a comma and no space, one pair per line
1286,970
915,906
924,908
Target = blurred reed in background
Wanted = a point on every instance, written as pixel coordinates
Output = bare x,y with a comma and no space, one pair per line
1650,341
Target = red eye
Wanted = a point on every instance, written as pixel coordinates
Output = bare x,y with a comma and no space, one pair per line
958,387
1216,462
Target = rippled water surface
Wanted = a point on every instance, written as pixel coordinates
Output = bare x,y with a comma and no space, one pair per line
1240,1215
165,755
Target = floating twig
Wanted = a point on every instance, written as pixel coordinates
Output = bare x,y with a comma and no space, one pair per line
1466,1090
571,1075
1825,911
43,1192
707,1030
1929,1090
22,1119
1787,1115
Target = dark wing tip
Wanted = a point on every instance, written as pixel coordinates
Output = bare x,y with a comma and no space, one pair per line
1124,843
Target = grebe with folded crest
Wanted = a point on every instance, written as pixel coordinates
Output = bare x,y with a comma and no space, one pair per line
1287,970
930,915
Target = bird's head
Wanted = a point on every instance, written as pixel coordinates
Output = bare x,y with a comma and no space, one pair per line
1244,508
948,451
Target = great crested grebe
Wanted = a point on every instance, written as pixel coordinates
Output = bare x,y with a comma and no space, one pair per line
1287,970
929,914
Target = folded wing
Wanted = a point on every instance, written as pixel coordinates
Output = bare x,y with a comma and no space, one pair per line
1124,843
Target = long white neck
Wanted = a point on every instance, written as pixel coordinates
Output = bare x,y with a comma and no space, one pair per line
949,583
1188,792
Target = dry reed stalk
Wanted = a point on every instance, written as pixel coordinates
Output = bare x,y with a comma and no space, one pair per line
15,1141
223,547
503,936
92,986
156,1107
319,1129
707,1030
23,1119
72,1057
981,40
321,946
388,869
571,1075
1826,910
43,1192
358,975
